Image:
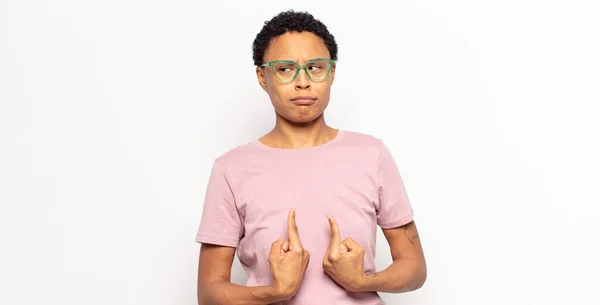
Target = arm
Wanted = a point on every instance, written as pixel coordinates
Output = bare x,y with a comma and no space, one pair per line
408,271
214,266
214,286
288,261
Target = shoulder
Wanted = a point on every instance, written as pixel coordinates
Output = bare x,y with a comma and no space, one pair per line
371,146
362,140
237,155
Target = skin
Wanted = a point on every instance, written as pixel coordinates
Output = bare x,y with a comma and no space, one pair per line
344,262
301,126
288,261
297,126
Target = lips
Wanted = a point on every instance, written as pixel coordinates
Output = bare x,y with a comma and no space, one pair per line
304,100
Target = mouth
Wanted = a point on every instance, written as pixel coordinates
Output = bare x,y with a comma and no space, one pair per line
304,100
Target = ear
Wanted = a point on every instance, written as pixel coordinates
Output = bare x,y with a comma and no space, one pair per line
261,77
332,72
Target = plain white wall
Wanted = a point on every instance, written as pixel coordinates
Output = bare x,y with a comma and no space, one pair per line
112,112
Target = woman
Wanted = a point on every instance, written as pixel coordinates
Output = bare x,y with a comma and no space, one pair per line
301,204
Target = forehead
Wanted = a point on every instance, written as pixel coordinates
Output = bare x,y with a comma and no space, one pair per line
296,46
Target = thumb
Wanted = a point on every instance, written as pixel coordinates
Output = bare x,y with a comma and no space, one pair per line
276,247
285,247
352,245
343,248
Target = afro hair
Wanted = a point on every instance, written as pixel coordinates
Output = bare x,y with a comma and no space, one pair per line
291,21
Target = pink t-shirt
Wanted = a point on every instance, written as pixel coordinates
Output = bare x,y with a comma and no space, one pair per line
252,188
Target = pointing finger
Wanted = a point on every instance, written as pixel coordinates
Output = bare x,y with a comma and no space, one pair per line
334,244
295,243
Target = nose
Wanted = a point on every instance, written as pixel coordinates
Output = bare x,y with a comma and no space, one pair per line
302,80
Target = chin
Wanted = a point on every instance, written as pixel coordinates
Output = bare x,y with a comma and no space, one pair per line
302,118
301,115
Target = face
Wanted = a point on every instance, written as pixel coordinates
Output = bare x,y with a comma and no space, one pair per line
299,47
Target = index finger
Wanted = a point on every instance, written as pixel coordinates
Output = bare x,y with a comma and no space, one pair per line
294,236
334,244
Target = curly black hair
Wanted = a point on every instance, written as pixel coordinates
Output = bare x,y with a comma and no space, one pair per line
291,21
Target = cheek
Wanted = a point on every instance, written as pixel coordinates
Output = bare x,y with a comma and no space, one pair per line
279,95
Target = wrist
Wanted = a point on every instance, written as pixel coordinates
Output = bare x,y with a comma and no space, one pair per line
278,293
358,284
367,282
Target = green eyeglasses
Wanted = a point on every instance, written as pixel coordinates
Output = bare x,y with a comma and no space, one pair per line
286,70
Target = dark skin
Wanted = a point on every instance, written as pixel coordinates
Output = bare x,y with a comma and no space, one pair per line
300,126
344,262
287,262
297,126
406,273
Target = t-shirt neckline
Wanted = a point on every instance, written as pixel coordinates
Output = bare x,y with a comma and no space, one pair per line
336,139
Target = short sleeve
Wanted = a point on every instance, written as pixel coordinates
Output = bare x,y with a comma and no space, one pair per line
220,223
394,207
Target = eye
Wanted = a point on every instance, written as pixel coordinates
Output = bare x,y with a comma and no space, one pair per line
284,68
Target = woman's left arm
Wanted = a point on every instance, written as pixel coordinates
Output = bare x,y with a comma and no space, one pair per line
408,270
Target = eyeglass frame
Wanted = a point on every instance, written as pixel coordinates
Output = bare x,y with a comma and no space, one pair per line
300,67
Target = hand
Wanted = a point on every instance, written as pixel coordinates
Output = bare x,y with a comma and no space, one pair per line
344,260
288,261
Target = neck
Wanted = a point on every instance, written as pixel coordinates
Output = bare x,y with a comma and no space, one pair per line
292,135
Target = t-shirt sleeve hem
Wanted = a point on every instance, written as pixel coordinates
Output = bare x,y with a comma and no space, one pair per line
397,222
217,240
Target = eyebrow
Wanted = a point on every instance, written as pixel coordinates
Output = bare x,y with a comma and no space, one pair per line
307,60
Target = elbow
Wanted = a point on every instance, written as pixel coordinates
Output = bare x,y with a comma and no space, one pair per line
420,277
204,293
413,280
421,281
202,297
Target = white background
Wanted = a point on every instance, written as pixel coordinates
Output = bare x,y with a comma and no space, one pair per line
111,113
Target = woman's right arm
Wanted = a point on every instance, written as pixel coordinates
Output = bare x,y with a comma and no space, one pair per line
288,261
214,286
